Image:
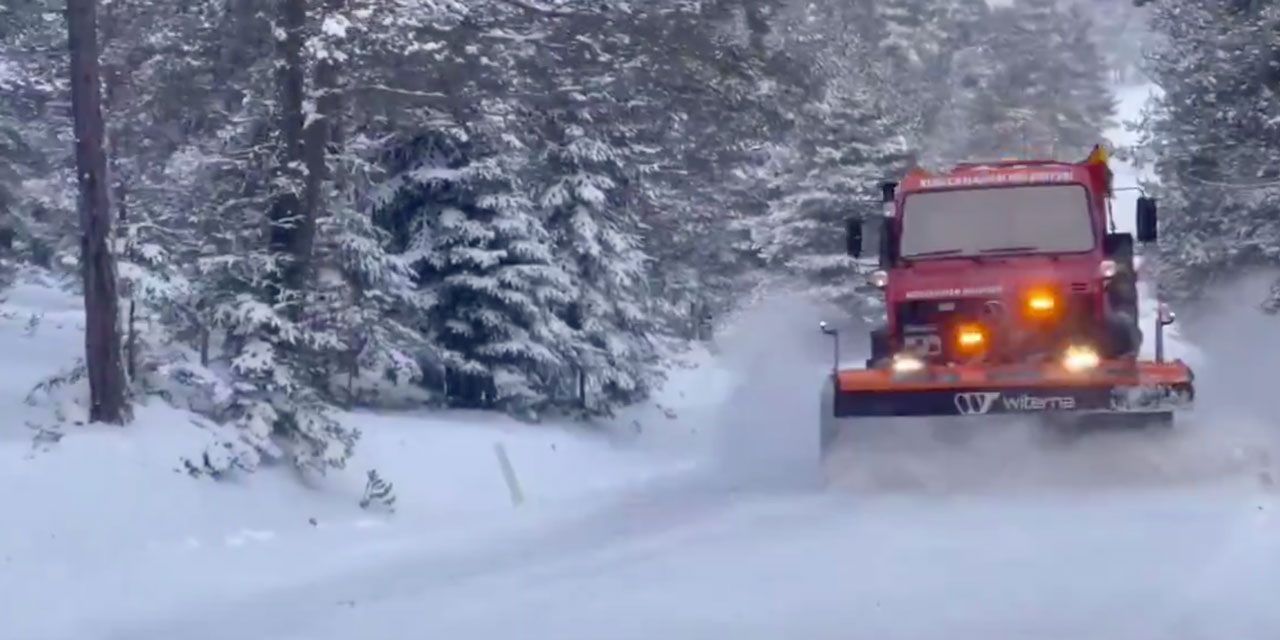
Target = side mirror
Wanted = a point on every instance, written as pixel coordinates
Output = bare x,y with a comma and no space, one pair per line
888,190
1164,315
1147,229
853,237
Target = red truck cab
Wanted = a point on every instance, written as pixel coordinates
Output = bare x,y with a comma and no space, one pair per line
1009,261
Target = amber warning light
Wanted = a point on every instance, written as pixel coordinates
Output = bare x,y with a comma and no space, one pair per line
970,337
1041,303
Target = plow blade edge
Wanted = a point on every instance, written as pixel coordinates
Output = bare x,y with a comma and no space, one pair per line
1113,387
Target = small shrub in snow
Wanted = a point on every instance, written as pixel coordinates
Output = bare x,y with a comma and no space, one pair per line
223,456
33,324
57,383
62,394
249,424
45,437
378,493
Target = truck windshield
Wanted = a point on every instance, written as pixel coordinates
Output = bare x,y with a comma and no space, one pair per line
1026,219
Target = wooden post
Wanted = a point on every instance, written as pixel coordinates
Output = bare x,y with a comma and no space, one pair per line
509,475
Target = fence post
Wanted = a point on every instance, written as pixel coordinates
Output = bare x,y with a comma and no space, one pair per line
508,474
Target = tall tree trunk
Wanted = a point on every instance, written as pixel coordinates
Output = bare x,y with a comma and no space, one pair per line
107,402
318,134
326,137
117,81
288,212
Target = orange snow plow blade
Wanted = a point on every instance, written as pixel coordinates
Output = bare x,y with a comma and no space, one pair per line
966,390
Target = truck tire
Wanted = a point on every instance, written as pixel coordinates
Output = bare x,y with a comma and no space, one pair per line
1122,291
1122,294
1123,335
879,345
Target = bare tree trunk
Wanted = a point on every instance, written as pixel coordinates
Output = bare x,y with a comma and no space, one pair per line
317,136
289,216
117,87
107,402
131,327
330,142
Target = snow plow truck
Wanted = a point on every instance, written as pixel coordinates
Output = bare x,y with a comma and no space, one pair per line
1008,291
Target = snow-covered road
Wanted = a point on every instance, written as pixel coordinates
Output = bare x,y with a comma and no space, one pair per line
1126,566
1198,557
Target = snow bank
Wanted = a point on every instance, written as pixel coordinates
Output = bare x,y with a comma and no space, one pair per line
109,529
41,335
103,526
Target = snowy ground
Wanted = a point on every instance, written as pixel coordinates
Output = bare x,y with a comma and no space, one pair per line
101,527
657,530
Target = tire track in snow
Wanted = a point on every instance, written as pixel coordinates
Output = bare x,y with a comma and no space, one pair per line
641,521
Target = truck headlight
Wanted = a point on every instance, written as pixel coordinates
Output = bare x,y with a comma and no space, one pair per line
1080,359
878,278
906,363
1107,269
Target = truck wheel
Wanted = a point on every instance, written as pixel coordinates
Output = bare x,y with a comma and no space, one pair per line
879,345
1124,337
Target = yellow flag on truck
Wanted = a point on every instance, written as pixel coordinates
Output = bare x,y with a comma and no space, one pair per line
1100,156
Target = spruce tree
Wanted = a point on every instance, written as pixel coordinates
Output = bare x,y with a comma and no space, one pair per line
1043,91
1207,135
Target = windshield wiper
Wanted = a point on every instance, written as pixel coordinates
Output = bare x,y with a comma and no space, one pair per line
1009,249
939,252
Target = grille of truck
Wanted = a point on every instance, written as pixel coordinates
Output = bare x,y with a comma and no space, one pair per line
930,328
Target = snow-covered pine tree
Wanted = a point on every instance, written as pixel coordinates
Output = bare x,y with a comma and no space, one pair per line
16,155
912,40
223,333
1083,105
335,301
19,162
1219,184
38,223
296,323
834,176
591,145
591,205
155,60
482,255
850,137
692,89
1121,30
932,49
1041,87
366,293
